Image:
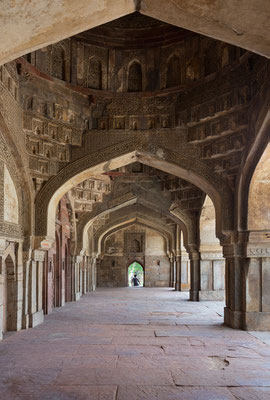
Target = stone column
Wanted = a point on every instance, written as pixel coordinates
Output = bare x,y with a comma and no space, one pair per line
89,273
78,278
26,287
171,258
83,273
73,277
212,273
2,250
185,271
256,291
36,315
177,259
234,274
194,257
95,265
19,278
178,272
1,297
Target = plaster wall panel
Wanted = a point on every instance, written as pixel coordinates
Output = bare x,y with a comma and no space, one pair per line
11,209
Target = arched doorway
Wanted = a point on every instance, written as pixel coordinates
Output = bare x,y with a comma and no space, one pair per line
135,268
57,273
212,264
9,296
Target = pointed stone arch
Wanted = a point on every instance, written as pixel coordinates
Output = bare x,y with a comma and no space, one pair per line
254,153
94,73
173,71
10,295
135,76
123,154
102,234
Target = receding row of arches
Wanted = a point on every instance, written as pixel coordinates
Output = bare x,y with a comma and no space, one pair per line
63,273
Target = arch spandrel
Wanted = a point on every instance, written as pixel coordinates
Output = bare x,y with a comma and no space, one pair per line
261,128
259,195
125,153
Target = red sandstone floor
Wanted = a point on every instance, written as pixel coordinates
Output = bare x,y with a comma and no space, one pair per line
135,343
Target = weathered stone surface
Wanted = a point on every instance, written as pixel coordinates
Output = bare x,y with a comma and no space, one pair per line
110,345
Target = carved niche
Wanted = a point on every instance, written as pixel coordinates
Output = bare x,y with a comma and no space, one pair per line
134,242
135,77
94,73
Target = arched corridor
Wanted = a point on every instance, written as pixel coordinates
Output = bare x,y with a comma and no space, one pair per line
134,154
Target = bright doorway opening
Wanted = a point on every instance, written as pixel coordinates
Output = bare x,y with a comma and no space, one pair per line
135,274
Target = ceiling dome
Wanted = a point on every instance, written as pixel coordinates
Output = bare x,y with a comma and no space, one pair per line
133,31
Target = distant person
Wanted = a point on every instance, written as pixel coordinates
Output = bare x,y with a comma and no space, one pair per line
135,281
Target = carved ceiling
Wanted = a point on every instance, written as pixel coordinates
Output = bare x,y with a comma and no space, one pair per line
136,80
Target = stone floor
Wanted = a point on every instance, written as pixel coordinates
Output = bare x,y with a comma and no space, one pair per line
135,343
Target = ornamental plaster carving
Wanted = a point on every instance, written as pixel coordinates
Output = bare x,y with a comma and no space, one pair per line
169,158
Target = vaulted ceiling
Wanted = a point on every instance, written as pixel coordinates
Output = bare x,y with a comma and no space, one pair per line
28,25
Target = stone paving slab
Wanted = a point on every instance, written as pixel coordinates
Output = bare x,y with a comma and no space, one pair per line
174,393
54,392
118,344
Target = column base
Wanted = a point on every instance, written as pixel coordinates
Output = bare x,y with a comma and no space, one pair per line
184,287
256,321
194,295
211,295
234,319
25,321
36,319
77,296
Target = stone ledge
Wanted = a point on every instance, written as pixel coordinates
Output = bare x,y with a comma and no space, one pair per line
256,321
211,295
36,318
234,319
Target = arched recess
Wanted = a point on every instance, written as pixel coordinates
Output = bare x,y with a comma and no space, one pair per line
135,77
94,73
13,157
103,234
59,67
259,195
260,127
208,226
123,154
10,295
212,263
173,71
57,273
155,260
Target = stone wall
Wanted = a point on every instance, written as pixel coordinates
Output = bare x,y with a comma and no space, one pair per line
134,244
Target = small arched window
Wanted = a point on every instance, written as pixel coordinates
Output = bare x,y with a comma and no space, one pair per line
94,74
173,75
135,77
